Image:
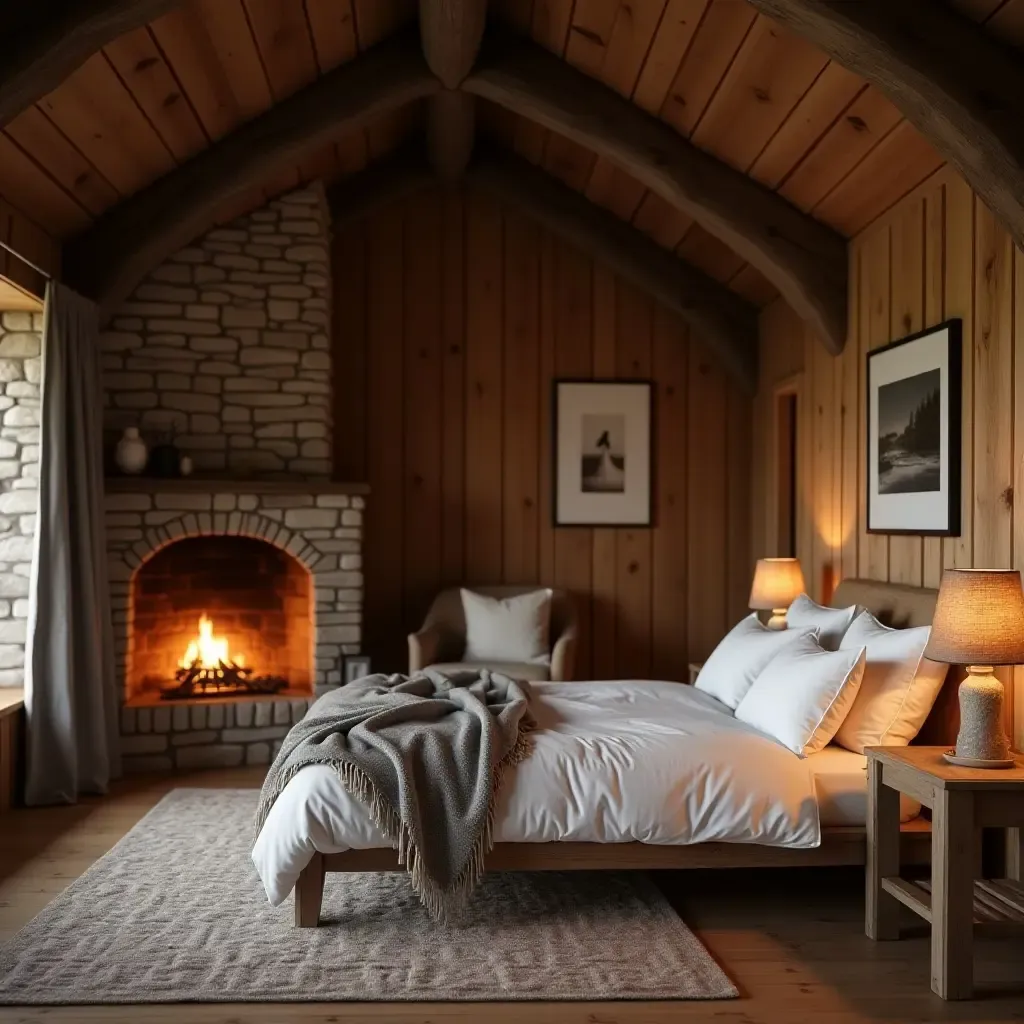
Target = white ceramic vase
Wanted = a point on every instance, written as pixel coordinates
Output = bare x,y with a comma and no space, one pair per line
131,454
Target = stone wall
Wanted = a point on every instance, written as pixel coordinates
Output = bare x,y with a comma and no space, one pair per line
20,365
225,346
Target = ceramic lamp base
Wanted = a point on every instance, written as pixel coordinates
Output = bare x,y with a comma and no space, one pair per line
975,762
982,738
778,619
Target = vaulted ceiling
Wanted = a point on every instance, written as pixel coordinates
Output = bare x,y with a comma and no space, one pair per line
738,85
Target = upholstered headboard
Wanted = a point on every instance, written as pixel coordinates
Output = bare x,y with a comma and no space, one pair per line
900,606
893,604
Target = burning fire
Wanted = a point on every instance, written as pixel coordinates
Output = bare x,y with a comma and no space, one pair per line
208,650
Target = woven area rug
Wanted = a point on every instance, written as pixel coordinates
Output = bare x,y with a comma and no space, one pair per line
176,913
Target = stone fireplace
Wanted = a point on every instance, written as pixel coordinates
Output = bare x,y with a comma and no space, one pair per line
224,351
276,566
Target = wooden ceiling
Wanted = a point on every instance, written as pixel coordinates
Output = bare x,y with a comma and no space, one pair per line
735,83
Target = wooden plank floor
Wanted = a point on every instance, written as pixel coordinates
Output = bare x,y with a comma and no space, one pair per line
791,940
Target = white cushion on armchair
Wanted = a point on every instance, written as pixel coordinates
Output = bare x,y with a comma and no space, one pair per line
507,629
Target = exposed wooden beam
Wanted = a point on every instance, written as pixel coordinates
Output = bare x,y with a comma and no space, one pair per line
724,322
43,42
108,259
388,181
451,31
805,260
957,84
451,124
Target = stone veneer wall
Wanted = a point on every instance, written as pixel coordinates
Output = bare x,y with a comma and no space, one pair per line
227,346
323,531
20,366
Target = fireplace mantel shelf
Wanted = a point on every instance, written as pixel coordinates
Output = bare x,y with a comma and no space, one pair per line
209,485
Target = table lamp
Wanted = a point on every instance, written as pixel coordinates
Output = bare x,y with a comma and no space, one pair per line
777,583
979,622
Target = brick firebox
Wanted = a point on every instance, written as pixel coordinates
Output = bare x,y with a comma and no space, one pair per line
317,525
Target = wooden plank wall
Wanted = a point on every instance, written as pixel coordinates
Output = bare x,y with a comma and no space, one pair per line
938,254
452,318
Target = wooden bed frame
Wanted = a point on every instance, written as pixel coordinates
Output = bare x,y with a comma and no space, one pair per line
892,603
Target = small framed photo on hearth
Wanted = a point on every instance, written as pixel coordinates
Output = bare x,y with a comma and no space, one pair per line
356,666
913,419
601,456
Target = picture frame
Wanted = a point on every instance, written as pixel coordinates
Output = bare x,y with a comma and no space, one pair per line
914,404
356,666
602,452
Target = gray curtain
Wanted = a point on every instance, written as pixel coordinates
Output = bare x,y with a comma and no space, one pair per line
69,677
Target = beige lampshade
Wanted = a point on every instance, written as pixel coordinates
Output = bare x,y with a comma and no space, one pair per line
777,583
979,618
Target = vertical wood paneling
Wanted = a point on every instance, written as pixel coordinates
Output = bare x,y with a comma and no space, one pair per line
421,416
706,502
603,576
876,332
959,261
453,321
384,600
574,358
993,390
934,312
548,304
461,315
634,324
349,368
522,398
906,315
939,254
823,403
850,371
669,569
484,323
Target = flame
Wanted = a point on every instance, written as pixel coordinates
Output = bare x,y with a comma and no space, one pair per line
209,650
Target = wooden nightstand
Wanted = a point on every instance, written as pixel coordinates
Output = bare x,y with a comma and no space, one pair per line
962,801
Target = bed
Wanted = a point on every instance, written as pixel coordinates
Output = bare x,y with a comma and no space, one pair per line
628,775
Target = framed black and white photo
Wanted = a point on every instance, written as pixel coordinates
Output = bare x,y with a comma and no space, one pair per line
602,453
913,416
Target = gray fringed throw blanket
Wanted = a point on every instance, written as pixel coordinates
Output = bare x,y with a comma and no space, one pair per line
426,754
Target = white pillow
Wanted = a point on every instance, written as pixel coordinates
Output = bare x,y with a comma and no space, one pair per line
832,623
900,685
804,694
740,658
507,628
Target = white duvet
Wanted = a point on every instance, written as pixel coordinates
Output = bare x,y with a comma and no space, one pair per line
613,762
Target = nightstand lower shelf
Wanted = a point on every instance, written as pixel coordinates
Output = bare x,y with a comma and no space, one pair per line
998,903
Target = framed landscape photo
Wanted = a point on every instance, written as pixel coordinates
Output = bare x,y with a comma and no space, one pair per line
601,455
913,417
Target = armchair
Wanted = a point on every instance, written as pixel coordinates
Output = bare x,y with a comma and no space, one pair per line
441,641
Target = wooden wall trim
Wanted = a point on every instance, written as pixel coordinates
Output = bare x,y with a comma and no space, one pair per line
108,259
42,43
727,324
957,84
804,259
